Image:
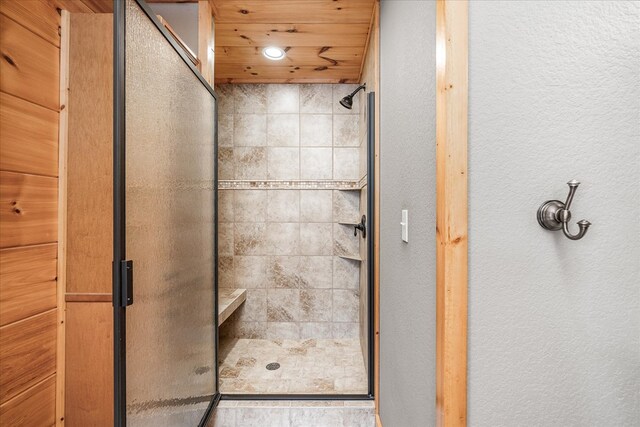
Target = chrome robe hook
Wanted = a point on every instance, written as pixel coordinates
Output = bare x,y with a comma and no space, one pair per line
554,215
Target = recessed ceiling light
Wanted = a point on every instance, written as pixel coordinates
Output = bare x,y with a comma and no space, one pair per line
273,53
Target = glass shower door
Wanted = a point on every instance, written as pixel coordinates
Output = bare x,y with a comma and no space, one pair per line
165,219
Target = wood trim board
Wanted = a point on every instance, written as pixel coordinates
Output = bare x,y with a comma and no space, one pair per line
87,208
451,211
88,297
206,40
62,215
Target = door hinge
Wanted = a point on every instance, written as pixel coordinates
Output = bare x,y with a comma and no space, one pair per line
126,282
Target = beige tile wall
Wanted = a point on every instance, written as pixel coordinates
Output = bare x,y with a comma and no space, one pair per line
282,245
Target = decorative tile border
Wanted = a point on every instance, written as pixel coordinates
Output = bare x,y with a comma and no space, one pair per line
289,185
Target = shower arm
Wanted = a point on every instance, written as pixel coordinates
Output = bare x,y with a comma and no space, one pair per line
364,86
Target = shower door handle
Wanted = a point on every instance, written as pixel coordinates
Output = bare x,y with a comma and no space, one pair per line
362,227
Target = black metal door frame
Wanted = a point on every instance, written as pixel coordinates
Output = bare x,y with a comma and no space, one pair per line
122,268
370,284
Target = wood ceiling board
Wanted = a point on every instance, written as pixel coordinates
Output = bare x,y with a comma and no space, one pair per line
280,80
99,6
291,35
235,72
73,6
325,40
298,55
298,11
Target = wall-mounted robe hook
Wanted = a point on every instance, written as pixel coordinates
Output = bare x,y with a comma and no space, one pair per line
554,215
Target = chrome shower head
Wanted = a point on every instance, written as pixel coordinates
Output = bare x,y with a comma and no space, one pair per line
347,101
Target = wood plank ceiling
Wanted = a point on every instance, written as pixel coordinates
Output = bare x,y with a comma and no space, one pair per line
324,40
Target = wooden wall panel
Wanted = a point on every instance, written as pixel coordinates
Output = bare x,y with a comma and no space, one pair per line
90,190
27,353
89,206
37,16
89,360
25,265
35,407
29,67
29,137
18,302
29,105
28,209
27,282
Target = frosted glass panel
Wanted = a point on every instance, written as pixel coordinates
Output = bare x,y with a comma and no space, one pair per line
170,126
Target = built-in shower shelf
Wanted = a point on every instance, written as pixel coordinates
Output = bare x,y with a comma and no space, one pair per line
351,257
229,300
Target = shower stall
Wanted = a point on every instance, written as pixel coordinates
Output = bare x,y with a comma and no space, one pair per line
242,245
294,240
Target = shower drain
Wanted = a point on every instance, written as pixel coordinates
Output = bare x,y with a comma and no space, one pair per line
273,366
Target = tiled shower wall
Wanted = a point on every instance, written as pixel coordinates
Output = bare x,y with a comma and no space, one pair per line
281,243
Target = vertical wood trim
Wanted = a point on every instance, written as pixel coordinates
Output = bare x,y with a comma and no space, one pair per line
372,27
90,355
89,201
205,40
62,215
451,211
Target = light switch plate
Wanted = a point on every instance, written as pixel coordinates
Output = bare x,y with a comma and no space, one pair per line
405,225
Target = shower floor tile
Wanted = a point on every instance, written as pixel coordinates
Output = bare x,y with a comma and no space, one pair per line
311,366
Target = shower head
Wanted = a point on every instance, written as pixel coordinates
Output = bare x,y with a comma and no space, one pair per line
347,101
